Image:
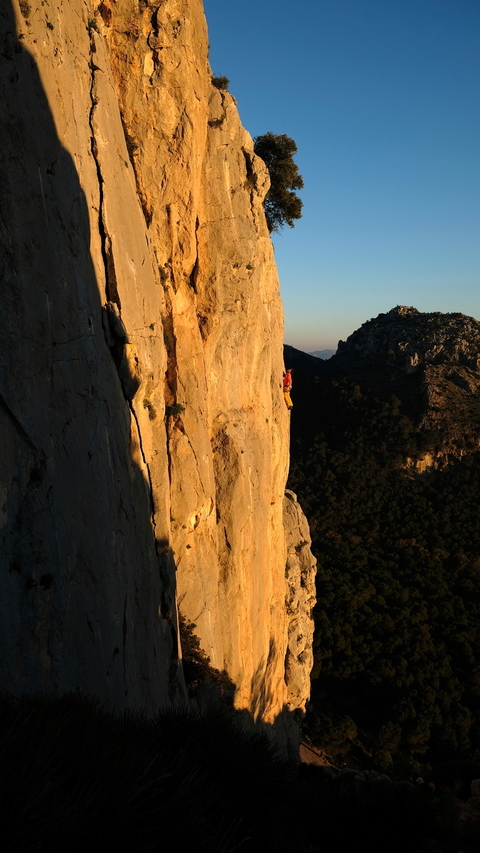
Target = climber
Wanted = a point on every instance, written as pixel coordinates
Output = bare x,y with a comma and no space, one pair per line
287,387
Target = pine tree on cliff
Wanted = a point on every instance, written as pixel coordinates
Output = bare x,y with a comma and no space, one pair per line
282,205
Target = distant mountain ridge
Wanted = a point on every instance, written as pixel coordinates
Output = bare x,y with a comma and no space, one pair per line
429,361
323,353
408,340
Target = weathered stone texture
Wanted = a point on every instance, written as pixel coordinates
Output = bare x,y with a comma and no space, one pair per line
144,435
432,361
300,599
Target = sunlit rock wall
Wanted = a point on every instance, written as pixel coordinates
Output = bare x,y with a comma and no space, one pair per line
144,435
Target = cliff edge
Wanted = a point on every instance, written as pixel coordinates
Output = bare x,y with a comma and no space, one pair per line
144,434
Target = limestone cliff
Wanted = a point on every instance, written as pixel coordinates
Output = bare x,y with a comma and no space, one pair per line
300,571
144,434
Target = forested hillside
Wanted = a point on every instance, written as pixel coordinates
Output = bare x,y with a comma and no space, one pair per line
396,679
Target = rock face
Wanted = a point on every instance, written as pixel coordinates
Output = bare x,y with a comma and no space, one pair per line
144,434
410,341
300,574
432,362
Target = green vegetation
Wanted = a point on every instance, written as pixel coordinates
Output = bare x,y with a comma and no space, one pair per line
175,409
221,83
396,679
152,412
282,205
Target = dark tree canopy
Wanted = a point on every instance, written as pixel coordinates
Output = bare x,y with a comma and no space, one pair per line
221,83
397,620
282,205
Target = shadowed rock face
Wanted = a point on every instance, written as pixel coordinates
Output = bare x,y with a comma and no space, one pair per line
432,362
429,361
144,433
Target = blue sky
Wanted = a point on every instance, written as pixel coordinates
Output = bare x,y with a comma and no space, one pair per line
383,100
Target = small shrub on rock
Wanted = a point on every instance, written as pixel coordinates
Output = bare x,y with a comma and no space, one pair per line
221,83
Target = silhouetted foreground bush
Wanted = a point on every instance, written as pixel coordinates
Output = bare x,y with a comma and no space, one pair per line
76,778
370,811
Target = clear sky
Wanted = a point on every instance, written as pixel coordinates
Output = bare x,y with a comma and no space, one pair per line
383,100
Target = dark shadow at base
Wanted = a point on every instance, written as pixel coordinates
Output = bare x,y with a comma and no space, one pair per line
207,685
80,778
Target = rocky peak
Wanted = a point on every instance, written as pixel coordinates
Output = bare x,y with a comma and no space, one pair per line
431,362
409,340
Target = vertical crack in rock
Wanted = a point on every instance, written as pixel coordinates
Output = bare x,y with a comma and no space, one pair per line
147,467
251,176
153,41
171,382
251,181
111,287
106,243
169,458
154,20
195,269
